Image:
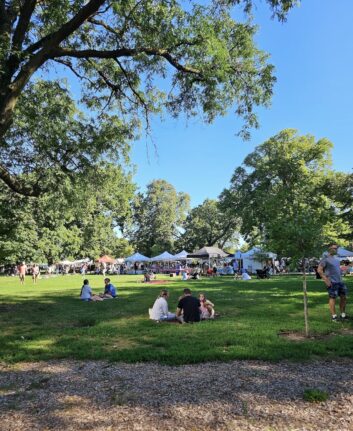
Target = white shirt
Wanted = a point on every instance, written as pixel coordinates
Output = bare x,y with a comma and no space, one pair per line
86,292
159,309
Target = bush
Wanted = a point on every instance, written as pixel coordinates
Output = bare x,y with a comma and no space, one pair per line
315,395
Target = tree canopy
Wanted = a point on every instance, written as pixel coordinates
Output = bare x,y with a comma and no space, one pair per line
75,219
208,225
157,217
281,194
133,58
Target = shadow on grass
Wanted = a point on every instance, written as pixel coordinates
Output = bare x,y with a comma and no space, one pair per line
58,325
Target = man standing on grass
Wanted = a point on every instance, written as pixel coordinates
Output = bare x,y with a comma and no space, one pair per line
330,271
22,269
188,310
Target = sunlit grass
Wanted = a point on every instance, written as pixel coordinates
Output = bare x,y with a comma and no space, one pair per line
48,320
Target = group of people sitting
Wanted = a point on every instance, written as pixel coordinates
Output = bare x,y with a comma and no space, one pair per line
110,291
189,310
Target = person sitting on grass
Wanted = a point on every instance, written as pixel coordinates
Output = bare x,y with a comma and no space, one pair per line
86,293
159,312
184,276
188,310
206,308
148,276
110,291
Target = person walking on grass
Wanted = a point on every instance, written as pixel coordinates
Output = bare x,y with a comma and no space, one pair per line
22,269
35,273
330,272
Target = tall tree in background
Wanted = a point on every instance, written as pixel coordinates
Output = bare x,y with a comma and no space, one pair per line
208,224
341,190
120,51
158,215
282,196
76,219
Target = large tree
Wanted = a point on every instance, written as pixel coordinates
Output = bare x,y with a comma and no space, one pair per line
208,224
282,196
157,217
120,52
77,218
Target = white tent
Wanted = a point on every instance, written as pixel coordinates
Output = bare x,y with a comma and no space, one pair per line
137,257
183,255
250,259
65,262
165,256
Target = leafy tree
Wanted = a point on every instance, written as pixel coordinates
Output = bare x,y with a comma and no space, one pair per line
157,217
207,224
124,54
341,190
281,194
77,218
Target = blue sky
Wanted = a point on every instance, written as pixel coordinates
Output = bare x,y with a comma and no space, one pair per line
313,57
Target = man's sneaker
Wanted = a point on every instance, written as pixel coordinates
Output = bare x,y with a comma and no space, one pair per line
334,319
343,316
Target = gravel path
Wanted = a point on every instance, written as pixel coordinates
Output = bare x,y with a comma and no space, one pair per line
239,395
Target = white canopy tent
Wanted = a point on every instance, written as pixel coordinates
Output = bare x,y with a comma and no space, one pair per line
251,261
164,257
183,255
137,257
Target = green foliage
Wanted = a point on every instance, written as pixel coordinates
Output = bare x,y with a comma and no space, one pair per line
315,395
74,220
133,59
157,215
281,194
207,224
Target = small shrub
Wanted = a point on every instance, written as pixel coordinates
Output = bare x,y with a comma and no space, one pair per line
315,395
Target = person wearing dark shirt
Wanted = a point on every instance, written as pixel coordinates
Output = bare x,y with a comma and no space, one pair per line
188,309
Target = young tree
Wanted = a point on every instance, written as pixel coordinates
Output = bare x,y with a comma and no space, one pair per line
207,224
282,196
157,217
120,52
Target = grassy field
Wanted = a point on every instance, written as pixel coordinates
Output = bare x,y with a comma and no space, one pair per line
49,321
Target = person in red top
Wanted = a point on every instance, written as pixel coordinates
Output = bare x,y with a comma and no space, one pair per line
22,268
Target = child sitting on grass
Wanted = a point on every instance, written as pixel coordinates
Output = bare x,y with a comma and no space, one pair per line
206,308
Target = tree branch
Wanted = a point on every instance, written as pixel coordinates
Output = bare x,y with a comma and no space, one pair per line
124,52
26,12
17,186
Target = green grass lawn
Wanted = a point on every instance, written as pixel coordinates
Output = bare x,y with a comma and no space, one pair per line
49,321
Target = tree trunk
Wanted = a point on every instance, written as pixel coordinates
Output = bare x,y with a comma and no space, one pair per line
305,297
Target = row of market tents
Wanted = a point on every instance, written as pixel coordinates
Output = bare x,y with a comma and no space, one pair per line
249,258
203,253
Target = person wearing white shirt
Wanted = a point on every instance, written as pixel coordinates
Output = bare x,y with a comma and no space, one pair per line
159,311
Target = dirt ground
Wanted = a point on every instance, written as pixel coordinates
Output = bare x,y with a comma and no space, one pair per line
239,395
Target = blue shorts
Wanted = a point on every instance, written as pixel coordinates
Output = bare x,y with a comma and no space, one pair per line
337,289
